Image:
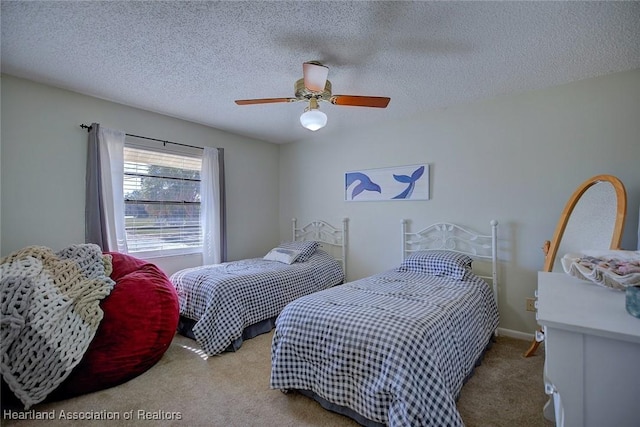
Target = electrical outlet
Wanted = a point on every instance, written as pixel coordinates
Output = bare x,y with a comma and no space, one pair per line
531,304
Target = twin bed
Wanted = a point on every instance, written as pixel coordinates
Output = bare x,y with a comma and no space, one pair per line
395,348
223,304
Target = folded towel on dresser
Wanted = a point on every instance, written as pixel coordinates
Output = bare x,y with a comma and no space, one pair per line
614,269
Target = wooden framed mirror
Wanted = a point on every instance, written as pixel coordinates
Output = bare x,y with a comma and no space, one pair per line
593,218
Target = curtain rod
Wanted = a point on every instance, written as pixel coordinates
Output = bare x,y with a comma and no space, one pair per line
88,128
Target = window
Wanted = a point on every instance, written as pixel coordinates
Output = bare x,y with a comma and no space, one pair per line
162,201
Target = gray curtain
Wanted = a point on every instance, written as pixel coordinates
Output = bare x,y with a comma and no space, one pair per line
93,210
104,204
223,207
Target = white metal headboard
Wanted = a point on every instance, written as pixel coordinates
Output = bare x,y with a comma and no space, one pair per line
452,237
326,234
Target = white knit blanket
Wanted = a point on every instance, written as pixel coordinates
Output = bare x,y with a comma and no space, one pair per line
50,313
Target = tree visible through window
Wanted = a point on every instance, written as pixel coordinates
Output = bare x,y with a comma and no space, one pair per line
162,202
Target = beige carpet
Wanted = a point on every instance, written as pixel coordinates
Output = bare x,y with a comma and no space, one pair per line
187,388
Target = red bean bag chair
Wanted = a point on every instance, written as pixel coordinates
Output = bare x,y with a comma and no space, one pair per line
140,320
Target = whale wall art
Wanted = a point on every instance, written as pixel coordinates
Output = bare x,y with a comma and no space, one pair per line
395,183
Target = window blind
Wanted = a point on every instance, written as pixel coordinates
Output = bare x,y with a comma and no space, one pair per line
162,201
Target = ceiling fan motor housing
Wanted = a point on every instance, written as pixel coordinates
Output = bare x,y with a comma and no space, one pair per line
303,93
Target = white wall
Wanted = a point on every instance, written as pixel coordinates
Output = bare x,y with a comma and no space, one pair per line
516,159
43,169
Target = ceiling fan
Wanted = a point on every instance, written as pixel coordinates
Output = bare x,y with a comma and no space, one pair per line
314,87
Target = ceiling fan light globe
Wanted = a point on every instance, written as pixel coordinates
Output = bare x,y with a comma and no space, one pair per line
313,119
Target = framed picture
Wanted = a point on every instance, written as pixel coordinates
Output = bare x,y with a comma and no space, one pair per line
394,183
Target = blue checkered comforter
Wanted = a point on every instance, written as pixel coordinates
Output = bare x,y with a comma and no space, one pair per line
396,347
226,298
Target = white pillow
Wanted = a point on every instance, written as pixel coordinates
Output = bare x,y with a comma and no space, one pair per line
288,256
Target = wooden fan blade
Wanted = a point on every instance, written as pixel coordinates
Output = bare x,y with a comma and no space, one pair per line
263,101
361,101
315,76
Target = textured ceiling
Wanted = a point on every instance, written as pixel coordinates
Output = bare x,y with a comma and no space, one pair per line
191,60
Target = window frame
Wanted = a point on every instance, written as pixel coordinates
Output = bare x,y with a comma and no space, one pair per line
184,151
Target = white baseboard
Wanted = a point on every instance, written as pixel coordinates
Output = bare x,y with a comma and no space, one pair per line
515,334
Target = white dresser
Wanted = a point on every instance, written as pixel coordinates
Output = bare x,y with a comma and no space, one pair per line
592,347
